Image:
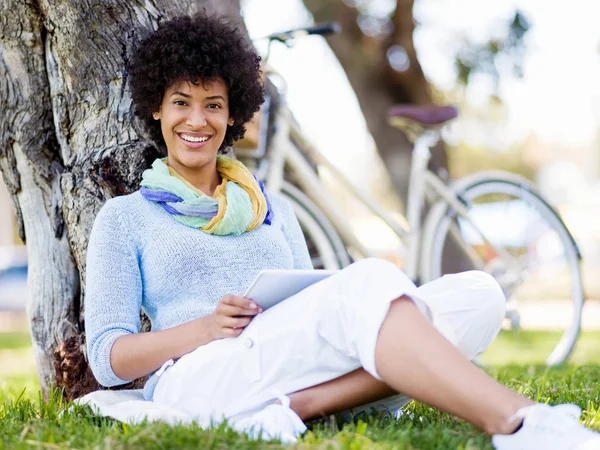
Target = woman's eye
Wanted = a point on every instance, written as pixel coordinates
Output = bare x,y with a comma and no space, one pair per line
214,106
179,102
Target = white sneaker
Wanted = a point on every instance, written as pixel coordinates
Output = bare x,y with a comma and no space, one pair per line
275,421
549,428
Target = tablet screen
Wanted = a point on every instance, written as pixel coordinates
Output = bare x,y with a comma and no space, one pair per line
272,286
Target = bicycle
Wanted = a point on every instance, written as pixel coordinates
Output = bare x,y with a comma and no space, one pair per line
459,217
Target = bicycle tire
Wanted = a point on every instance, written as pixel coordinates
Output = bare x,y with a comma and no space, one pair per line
326,248
441,217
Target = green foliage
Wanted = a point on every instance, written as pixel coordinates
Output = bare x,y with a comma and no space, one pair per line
493,56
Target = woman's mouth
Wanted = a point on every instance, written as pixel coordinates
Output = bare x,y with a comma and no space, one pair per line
194,141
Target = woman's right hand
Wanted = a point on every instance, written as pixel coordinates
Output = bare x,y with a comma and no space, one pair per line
232,315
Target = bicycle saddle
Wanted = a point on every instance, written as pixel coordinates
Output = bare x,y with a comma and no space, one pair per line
424,114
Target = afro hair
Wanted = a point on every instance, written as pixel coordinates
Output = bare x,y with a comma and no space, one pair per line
199,48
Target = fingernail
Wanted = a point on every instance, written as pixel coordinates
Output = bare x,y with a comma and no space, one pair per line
253,305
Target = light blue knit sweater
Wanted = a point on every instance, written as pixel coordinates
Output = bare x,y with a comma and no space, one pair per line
139,257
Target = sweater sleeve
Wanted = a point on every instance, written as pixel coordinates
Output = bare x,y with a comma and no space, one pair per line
113,293
295,237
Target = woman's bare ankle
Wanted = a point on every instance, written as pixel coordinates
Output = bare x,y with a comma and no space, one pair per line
507,427
508,422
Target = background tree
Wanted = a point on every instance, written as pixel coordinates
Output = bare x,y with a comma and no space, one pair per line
67,144
377,51
365,53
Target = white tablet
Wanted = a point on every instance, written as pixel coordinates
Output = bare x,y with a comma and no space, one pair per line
272,286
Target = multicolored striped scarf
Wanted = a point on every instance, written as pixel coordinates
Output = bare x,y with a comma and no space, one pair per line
240,203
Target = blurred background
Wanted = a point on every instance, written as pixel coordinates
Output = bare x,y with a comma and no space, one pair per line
524,75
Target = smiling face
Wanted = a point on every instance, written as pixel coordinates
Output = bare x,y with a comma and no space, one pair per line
193,120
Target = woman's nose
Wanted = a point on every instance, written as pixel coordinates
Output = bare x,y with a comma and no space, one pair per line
196,118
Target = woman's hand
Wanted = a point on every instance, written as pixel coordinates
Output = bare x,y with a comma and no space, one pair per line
152,349
232,315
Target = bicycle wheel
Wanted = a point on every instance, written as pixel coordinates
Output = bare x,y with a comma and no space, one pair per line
531,253
327,251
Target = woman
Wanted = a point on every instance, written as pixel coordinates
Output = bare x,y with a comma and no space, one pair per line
200,228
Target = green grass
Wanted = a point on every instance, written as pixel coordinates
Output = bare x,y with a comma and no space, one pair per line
27,422
15,341
532,347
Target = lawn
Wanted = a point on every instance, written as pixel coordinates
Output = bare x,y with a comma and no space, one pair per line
26,422
532,347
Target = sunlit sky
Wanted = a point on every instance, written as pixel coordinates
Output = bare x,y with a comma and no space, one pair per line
318,91
558,98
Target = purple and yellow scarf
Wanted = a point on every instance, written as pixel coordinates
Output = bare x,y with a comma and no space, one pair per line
240,203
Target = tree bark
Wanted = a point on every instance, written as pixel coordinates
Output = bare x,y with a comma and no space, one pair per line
68,142
376,84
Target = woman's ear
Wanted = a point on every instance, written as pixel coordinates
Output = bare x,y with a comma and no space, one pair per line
156,115
230,122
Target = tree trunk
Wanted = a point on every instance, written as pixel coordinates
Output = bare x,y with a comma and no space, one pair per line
376,84
67,144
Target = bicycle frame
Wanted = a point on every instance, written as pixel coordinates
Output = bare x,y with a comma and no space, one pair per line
290,147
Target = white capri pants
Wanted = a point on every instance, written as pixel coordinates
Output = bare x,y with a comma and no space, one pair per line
322,333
